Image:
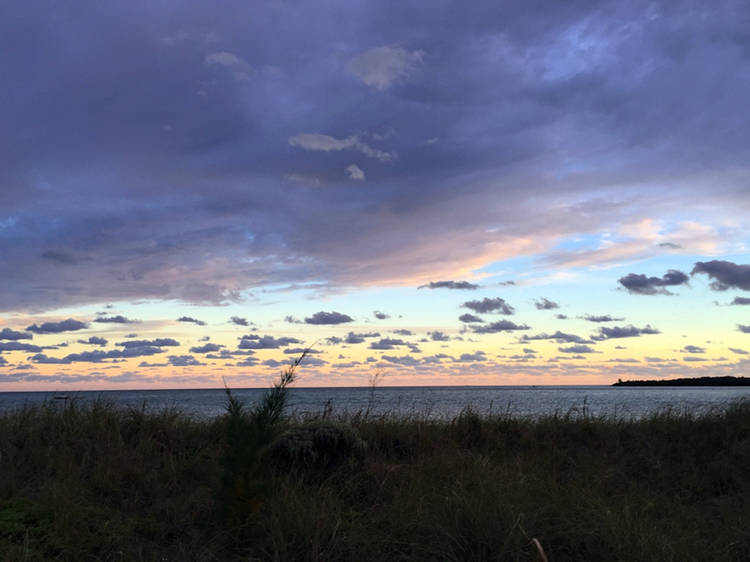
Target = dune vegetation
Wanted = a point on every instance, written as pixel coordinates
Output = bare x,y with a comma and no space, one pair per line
82,481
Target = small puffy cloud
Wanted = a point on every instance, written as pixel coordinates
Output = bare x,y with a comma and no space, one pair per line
403,332
8,334
94,340
158,342
323,317
487,305
545,304
693,349
607,333
739,301
191,320
576,349
355,172
352,338
237,320
289,319
405,360
380,315
118,319
380,67
223,58
725,274
558,337
670,245
438,336
561,316
471,357
459,285
738,351
639,284
206,348
745,329
68,325
601,318
184,361
470,319
500,326
254,341
387,343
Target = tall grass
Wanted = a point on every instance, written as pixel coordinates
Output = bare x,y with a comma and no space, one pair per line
91,481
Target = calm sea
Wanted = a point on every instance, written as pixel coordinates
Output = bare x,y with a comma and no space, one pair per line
435,402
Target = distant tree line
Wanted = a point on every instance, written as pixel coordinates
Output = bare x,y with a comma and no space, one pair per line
696,381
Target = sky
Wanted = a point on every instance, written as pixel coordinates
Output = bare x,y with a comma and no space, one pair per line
444,193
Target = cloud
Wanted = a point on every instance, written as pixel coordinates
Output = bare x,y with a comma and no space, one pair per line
639,284
355,172
387,343
738,351
693,349
405,360
157,342
576,349
380,315
614,332
94,340
254,341
206,348
601,318
119,319
238,321
460,285
184,361
381,67
471,357
740,301
500,326
558,337
328,318
745,329
489,305
545,304
725,274
325,143
191,320
403,332
470,318
16,346
438,336
8,334
352,338
68,325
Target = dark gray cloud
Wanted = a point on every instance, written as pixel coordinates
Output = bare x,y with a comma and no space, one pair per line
353,338
8,334
740,301
470,318
741,327
561,316
238,321
739,351
94,340
380,315
404,360
487,305
254,341
403,332
438,336
184,361
693,349
577,349
558,336
387,343
17,346
639,284
725,274
118,319
68,325
97,355
545,304
499,326
601,318
158,342
328,318
471,357
614,332
460,285
206,348
182,116
192,320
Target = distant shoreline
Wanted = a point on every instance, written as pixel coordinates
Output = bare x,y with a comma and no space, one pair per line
698,381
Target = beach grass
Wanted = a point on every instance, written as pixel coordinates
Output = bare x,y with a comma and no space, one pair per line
91,481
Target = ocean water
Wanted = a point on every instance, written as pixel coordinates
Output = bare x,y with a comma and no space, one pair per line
434,402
